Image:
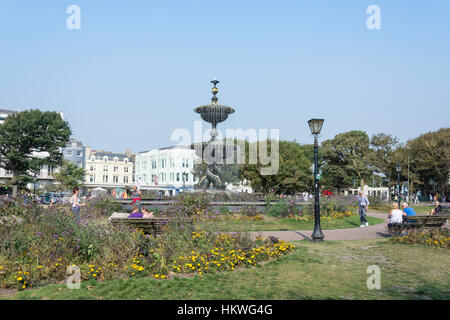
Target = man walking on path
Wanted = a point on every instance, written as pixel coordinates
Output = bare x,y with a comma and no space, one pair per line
363,205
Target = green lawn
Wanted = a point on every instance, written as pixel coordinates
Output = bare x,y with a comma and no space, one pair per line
329,270
419,209
280,224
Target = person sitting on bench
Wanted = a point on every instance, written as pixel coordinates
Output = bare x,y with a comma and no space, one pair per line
409,212
136,214
396,215
436,210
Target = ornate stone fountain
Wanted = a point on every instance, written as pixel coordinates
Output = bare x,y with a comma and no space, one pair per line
213,113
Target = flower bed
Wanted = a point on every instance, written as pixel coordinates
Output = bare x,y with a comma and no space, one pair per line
431,237
40,249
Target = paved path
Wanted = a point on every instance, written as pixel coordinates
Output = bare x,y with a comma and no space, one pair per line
370,232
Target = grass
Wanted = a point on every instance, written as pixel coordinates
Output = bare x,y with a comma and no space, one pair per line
286,224
329,270
419,209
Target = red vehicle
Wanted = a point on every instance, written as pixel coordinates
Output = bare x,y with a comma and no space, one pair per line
327,193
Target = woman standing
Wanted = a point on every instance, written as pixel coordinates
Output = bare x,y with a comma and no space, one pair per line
75,201
136,196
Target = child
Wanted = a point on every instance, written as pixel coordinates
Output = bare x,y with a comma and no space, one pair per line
76,204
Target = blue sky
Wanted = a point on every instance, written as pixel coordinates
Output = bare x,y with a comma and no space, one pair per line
137,69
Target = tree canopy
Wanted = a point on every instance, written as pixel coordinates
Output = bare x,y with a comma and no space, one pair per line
70,175
294,173
25,135
344,157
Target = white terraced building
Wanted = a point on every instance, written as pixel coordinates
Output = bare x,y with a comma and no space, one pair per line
108,170
165,169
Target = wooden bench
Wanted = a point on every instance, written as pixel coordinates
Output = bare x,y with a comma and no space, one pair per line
150,225
420,221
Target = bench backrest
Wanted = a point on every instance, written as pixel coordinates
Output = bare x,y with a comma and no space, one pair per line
149,224
426,220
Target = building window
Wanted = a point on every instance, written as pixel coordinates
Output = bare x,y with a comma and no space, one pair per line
125,169
116,169
91,168
115,179
93,158
116,159
178,176
125,179
79,154
125,160
105,168
105,178
106,159
69,153
91,178
79,163
187,163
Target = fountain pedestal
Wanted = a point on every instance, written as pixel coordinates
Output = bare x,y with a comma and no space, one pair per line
213,113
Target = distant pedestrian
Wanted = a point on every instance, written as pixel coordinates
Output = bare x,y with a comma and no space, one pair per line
136,196
75,201
363,206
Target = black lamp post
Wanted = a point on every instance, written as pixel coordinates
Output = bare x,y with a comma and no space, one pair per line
316,125
399,169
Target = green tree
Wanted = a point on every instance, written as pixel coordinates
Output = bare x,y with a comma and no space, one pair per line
345,157
70,175
429,156
383,157
293,176
27,133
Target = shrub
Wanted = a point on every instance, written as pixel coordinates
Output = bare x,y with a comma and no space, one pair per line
334,206
188,204
225,210
279,209
101,206
377,202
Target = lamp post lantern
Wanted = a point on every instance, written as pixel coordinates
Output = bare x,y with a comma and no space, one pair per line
316,126
399,169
